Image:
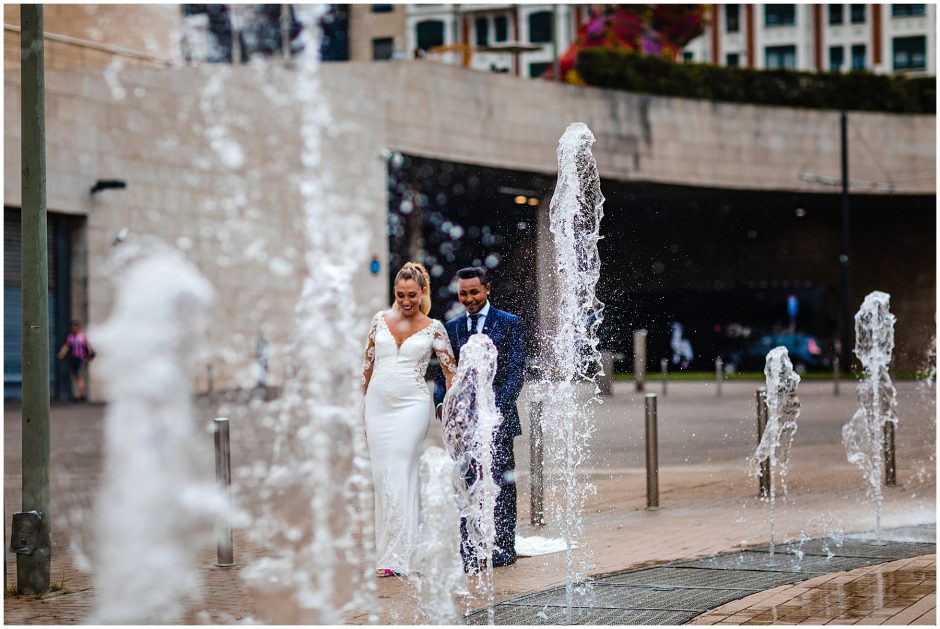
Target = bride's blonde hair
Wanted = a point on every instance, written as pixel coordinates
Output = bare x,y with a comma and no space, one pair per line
417,272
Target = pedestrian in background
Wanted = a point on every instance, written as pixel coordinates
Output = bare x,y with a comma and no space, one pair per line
79,353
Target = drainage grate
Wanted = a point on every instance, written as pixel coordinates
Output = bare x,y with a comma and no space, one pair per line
748,580
541,615
810,565
862,548
674,594
631,597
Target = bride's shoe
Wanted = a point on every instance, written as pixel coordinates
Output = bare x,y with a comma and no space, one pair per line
386,572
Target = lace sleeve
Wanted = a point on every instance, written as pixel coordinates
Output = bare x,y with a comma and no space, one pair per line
368,360
445,355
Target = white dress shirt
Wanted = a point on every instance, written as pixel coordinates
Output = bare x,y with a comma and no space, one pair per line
485,310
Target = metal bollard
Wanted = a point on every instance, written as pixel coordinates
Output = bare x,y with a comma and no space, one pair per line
652,455
536,484
606,382
835,375
890,476
664,367
764,480
225,546
718,376
639,358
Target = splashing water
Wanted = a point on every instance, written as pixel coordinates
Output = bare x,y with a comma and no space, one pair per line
798,551
863,435
436,567
470,422
783,407
316,524
156,508
833,532
575,217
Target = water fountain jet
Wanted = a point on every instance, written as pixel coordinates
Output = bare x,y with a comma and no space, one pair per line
863,435
436,567
157,505
470,421
316,523
783,407
575,215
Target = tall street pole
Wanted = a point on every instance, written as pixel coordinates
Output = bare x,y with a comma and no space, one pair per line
32,570
844,264
556,66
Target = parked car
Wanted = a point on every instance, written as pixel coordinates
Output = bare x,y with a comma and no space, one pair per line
805,352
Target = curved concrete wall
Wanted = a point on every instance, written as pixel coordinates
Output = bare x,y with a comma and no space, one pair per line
448,113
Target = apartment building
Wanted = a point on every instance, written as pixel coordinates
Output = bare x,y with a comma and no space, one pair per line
377,32
519,39
880,38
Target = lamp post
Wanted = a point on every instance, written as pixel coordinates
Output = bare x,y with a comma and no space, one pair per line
33,561
844,264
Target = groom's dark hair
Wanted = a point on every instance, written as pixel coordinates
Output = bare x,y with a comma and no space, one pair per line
474,271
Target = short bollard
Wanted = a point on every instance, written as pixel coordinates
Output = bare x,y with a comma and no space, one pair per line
835,375
652,455
639,358
890,477
606,382
764,480
664,368
718,376
225,547
537,486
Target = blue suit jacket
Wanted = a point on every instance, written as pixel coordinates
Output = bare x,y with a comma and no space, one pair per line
505,330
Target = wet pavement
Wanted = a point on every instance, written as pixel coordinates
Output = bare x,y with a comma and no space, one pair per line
709,505
680,592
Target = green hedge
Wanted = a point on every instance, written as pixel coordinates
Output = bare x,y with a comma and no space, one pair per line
859,91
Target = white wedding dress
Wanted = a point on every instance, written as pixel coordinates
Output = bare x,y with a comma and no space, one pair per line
397,412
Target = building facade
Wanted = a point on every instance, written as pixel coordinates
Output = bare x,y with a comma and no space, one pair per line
377,32
880,38
518,39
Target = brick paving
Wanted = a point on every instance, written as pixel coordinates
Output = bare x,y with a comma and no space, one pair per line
896,593
709,504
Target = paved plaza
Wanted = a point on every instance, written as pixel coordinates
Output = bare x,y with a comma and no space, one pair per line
709,508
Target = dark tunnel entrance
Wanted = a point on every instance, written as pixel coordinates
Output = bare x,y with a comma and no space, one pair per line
733,267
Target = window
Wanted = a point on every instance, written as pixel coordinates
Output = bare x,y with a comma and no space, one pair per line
910,53
780,57
540,27
732,18
538,69
906,10
732,60
430,33
779,14
501,28
857,11
688,56
858,57
382,48
836,58
382,8
482,28
835,14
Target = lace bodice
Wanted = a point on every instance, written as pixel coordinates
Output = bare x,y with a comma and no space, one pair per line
395,364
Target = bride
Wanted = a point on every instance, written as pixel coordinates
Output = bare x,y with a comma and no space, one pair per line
398,409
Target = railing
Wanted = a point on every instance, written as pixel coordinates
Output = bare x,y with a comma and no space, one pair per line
63,52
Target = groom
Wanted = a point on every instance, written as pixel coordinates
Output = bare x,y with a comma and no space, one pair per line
505,330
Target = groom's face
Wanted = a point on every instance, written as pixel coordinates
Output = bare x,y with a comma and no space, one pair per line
472,294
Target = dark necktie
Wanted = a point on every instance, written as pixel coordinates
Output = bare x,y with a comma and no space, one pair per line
473,323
